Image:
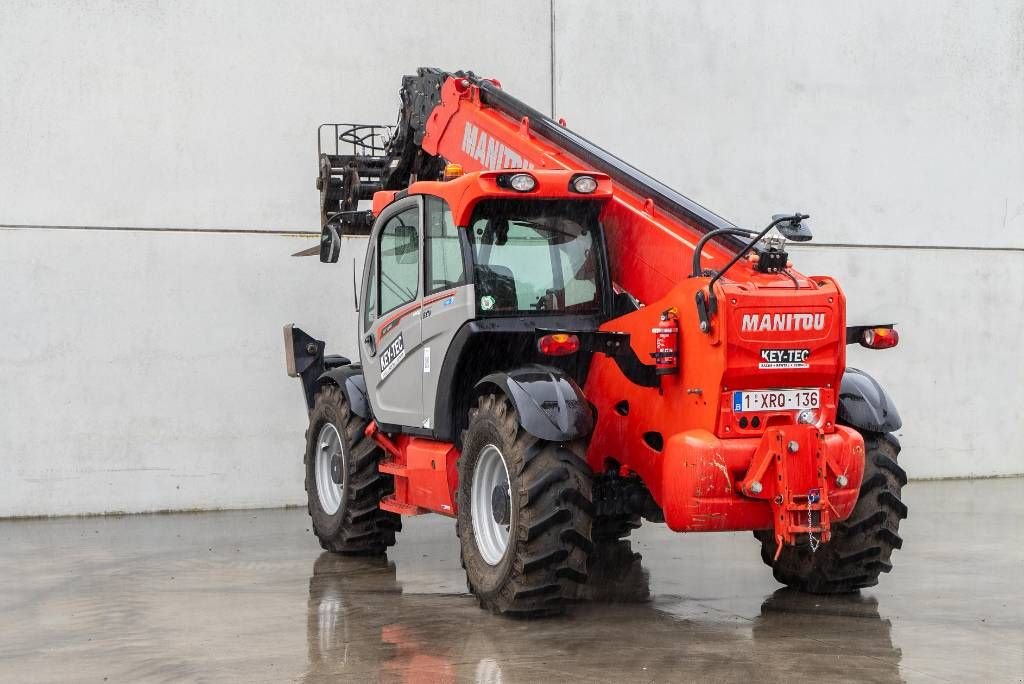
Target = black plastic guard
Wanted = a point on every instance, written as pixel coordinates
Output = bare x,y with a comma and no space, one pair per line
304,359
865,405
350,379
551,406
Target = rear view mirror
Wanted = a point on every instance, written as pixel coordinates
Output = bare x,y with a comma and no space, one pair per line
794,228
330,244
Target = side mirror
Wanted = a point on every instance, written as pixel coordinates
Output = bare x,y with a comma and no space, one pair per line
330,244
795,228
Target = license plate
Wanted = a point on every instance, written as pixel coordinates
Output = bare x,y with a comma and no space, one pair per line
776,400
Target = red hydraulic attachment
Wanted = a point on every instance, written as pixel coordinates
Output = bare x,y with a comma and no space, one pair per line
800,499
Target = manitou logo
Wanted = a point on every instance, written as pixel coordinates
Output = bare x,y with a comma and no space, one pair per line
490,151
782,322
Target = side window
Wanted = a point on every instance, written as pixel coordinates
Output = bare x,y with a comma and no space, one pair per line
443,267
370,294
579,272
398,258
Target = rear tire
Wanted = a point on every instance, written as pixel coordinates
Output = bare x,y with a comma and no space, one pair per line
861,546
543,512
346,514
613,528
610,528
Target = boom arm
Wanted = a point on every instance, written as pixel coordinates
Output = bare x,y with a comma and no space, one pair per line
651,229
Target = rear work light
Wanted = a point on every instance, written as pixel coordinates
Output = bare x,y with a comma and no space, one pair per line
521,182
879,338
584,184
558,344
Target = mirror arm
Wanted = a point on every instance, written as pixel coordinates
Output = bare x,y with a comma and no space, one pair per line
709,305
742,253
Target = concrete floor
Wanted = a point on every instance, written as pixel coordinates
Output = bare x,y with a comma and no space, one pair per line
248,596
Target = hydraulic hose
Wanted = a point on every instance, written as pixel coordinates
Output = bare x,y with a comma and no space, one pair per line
704,239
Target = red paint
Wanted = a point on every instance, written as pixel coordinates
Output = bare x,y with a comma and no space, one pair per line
709,454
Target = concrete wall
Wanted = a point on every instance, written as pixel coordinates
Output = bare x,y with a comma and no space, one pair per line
898,126
143,370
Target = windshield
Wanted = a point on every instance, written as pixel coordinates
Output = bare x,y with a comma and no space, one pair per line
536,256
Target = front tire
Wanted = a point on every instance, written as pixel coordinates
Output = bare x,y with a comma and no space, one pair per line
343,486
525,513
861,546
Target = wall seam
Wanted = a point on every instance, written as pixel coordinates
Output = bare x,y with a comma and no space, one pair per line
165,229
551,40
316,233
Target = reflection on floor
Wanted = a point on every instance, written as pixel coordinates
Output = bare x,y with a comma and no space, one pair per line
360,621
248,596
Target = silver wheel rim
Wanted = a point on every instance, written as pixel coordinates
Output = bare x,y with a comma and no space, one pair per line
490,533
328,445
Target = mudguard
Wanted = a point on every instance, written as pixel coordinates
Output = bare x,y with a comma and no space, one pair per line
551,406
350,379
863,404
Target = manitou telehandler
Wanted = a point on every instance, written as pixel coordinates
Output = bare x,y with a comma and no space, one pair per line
554,346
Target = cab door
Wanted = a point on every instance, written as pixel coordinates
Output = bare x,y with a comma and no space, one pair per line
390,338
448,299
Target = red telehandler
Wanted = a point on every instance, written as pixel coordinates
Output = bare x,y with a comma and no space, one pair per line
555,346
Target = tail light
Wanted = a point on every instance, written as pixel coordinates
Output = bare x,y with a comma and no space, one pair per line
558,344
879,338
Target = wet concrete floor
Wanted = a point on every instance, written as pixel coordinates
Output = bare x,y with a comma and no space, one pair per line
248,596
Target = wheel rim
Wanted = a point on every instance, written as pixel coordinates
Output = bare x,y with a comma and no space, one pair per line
490,505
329,447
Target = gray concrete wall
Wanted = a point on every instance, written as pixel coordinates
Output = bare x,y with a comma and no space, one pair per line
898,125
143,369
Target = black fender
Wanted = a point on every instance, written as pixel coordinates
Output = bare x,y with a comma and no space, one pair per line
350,379
551,406
865,405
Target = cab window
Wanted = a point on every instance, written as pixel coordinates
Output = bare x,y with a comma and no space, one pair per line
370,295
398,260
537,256
443,266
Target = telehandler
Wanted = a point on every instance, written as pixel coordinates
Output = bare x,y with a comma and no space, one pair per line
554,346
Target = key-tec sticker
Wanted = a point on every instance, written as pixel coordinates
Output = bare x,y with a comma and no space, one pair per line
772,359
392,356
